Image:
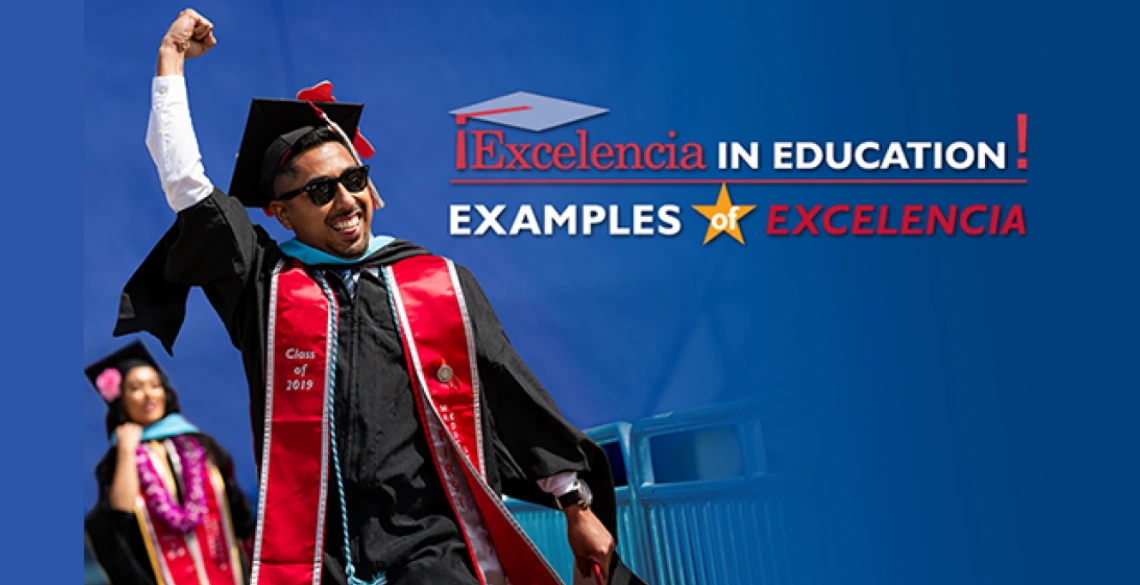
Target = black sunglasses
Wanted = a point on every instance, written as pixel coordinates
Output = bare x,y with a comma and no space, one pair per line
322,190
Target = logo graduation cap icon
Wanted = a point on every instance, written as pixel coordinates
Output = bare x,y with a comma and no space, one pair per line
527,111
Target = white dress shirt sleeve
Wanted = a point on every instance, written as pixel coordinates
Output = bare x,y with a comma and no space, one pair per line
173,146
560,484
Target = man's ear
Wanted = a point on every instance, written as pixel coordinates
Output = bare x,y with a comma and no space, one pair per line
281,212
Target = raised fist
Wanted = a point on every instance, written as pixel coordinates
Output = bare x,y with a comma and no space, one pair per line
129,435
190,34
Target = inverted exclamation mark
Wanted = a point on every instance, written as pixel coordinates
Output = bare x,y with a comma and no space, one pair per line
1022,127
460,149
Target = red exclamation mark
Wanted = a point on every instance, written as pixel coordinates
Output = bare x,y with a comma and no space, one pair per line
1022,127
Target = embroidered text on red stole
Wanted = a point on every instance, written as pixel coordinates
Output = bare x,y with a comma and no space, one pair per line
289,544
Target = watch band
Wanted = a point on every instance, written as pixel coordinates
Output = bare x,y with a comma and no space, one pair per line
579,495
572,498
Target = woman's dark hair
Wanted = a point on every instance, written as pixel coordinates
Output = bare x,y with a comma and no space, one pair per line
117,412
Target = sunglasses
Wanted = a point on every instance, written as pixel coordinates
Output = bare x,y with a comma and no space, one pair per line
322,190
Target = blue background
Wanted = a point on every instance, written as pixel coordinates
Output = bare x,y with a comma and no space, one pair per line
970,401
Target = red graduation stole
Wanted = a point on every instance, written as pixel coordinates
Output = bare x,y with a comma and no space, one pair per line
438,341
191,558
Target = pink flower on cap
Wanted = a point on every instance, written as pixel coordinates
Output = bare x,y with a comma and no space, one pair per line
108,384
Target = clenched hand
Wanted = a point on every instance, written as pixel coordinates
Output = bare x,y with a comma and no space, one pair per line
589,540
191,34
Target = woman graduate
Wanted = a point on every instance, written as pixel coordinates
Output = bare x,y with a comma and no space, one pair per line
169,510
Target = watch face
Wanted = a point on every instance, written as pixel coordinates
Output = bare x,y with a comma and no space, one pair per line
587,495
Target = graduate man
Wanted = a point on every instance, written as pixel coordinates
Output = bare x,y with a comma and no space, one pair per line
389,409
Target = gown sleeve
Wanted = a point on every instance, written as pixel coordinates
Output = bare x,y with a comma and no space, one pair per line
115,538
531,437
214,245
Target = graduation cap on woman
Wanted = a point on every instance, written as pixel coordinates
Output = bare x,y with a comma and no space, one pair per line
107,374
274,127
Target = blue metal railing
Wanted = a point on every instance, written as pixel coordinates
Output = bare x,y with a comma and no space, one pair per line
547,527
713,485
707,497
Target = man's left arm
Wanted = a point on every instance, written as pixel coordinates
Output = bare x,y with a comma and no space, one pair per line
544,446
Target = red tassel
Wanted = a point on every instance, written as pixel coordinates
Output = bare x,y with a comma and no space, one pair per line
322,92
362,145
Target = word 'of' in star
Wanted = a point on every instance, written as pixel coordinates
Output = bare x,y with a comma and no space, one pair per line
724,217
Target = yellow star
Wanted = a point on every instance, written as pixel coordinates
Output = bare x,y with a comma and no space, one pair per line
724,217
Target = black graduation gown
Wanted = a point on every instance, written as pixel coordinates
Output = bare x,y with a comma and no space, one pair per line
115,537
399,518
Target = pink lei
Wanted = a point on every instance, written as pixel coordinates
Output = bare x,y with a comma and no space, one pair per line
158,501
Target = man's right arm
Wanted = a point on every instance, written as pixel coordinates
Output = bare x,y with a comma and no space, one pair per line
213,244
170,132
173,146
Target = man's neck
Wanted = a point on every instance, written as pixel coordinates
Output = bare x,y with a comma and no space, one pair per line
310,255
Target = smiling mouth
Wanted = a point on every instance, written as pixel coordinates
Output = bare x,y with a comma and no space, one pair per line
348,223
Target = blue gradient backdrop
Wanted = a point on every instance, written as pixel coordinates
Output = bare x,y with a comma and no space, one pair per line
970,402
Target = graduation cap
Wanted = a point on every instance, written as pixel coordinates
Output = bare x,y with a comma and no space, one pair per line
322,92
527,111
274,126
107,374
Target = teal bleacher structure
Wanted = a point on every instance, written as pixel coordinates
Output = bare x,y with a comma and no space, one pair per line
547,527
705,497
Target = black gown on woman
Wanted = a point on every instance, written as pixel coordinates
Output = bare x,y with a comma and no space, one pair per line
116,539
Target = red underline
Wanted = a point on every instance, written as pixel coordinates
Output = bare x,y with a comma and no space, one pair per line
739,181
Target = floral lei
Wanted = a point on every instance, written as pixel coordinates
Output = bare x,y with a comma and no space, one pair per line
158,501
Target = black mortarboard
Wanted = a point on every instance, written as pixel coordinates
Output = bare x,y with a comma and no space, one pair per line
272,129
122,361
